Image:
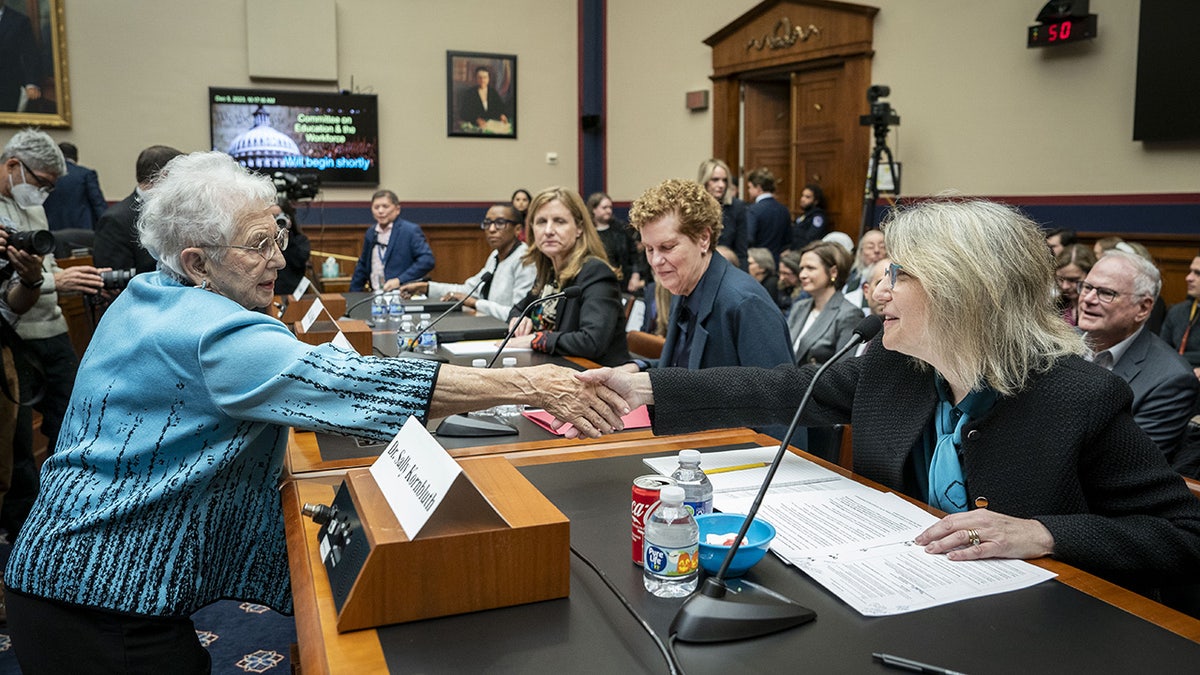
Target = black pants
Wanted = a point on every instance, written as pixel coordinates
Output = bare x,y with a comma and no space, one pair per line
54,637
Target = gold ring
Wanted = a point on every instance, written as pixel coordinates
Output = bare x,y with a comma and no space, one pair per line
973,537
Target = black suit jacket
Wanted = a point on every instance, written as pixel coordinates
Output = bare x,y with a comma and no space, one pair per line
77,202
117,241
1065,450
770,226
592,325
470,107
18,58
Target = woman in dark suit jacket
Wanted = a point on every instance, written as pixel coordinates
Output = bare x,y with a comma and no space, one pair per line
567,252
821,323
975,400
720,315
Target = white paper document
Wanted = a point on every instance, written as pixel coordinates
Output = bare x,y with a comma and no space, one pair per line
479,348
856,541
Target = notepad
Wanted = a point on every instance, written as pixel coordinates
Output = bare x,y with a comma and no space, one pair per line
638,418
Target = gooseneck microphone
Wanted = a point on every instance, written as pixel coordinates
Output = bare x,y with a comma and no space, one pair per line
487,276
708,616
568,292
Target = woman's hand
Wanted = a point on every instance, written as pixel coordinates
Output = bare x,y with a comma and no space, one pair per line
522,342
632,387
997,535
413,288
592,409
523,328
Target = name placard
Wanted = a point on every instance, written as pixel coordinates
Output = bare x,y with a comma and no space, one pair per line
310,317
343,343
414,473
301,288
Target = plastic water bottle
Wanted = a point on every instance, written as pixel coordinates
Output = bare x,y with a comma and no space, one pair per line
379,310
406,333
395,309
513,409
697,488
429,339
488,412
671,548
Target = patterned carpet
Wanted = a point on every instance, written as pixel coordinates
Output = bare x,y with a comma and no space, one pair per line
240,637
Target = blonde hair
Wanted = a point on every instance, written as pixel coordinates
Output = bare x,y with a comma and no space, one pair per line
988,277
588,246
705,174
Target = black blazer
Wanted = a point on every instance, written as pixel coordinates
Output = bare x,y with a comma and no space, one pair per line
591,326
1065,451
116,243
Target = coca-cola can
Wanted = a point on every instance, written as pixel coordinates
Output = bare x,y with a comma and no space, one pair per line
645,498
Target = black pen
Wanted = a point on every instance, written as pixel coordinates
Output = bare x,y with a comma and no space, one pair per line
914,666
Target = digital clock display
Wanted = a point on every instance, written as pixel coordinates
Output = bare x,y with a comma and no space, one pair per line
1062,31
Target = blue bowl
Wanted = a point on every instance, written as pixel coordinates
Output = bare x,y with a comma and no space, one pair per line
758,540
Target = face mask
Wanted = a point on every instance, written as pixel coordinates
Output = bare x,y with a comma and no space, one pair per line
25,195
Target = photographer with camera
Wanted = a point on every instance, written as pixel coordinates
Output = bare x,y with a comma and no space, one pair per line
46,362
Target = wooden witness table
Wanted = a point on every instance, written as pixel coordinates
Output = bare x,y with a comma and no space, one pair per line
324,650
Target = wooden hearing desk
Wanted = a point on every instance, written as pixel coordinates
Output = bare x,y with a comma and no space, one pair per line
1076,623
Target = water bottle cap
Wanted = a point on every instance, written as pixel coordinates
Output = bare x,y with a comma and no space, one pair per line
479,363
671,494
689,456
508,361
424,315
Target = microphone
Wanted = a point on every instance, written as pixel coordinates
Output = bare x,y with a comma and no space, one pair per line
360,303
568,292
708,616
487,276
461,425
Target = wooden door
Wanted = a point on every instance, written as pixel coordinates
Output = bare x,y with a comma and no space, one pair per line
825,115
768,134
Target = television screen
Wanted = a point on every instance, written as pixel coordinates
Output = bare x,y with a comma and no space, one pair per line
335,136
1167,95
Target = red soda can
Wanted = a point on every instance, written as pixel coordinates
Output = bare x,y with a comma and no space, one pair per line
645,498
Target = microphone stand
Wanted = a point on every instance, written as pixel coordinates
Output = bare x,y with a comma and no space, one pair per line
710,616
460,425
487,276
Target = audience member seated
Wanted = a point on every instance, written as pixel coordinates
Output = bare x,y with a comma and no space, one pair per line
813,223
1114,303
618,244
299,249
77,201
394,249
769,223
976,401
1159,312
520,201
566,251
1179,328
789,281
715,176
1104,245
512,277
870,250
1071,266
116,232
762,268
164,496
720,316
1060,238
822,323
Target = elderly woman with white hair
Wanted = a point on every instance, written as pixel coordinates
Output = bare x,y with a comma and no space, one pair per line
162,494
975,400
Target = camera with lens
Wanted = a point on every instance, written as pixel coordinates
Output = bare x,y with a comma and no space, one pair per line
37,242
297,186
882,114
116,280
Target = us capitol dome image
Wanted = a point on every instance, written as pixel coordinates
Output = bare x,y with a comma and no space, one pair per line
262,146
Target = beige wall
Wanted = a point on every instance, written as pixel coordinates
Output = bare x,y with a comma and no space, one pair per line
981,113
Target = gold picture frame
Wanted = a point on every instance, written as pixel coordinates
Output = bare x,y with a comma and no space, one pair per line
48,102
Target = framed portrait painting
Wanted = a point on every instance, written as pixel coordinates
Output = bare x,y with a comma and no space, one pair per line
481,95
33,64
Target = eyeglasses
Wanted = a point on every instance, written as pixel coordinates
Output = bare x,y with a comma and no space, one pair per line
894,270
45,186
266,247
1105,294
498,223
